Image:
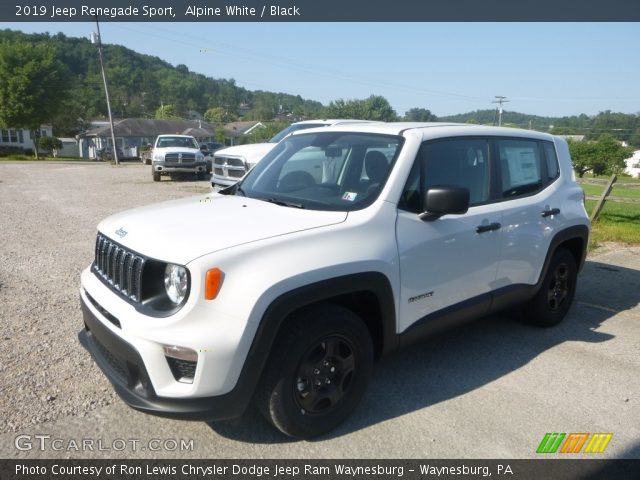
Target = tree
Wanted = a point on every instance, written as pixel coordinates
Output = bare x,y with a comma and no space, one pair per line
634,140
420,115
605,156
373,108
167,112
612,155
33,84
218,115
50,144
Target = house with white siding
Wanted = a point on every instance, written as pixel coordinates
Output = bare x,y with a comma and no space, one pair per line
633,165
16,139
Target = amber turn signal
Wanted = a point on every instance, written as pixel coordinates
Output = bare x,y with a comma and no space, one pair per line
212,283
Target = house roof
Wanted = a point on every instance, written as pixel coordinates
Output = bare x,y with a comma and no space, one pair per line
236,129
149,127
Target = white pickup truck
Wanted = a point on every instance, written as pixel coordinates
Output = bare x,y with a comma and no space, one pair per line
177,154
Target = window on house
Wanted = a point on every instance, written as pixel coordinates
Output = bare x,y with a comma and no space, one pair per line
20,136
13,136
5,136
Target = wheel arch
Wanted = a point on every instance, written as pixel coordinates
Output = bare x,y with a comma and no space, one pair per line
369,295
574,239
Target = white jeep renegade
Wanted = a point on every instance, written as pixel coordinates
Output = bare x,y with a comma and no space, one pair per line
342,245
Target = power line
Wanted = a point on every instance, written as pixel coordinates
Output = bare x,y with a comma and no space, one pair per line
500,100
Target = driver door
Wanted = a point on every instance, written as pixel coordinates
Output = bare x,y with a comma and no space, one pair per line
449,263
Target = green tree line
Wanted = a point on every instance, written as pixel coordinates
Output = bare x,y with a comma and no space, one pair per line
146,86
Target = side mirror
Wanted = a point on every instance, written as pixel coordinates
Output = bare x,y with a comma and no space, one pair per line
443,200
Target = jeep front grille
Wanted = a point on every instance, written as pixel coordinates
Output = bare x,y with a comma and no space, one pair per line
120,268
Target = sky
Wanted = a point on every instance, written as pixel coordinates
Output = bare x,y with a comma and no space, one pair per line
549,69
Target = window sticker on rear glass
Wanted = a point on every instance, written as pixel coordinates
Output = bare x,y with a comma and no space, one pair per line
349,196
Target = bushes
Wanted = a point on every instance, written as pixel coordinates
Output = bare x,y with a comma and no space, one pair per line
49,145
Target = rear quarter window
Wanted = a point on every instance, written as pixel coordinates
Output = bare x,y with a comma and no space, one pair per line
552,161
521,167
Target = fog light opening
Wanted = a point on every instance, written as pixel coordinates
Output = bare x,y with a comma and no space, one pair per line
181,353
182,362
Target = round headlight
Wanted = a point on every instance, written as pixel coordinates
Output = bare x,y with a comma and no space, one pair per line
176,282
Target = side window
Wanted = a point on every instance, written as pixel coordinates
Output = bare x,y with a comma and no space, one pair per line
552,161
520,167
457,162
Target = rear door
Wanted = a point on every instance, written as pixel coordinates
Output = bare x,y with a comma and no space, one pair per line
529,197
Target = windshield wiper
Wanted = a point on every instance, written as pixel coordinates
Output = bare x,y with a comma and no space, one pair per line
283,203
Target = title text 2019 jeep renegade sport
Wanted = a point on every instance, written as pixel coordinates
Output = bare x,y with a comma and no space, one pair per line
342,245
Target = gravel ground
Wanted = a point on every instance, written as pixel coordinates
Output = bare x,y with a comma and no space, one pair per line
481,392
47,229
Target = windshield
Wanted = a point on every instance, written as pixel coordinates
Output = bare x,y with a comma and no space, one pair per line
323,171
292,128
183,142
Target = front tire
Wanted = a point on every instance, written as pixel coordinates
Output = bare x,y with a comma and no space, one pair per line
553,300
318,371
156,177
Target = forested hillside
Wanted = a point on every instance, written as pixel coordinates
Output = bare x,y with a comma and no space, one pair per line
622,126
140,84
146,86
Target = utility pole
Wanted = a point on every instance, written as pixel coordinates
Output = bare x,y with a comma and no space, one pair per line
500,100
106,92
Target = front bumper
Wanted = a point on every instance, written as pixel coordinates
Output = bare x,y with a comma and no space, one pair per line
223,181
125,369
162,167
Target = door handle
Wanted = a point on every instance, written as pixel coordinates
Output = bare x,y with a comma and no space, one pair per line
488,228
548,213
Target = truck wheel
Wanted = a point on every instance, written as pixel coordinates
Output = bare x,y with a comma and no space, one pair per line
200,175
552,302
156,177
317,373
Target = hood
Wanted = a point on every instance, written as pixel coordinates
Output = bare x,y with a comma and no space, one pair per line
179,231
251,153
176,150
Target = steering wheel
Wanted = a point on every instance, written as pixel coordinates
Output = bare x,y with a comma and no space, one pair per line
297,180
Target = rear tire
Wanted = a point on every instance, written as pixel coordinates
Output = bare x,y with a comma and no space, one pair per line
318,371
553,300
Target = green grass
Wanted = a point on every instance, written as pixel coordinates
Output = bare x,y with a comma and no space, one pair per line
605,178
618,222
31,158
618,190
